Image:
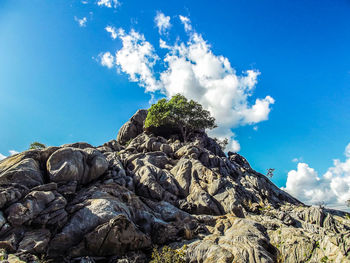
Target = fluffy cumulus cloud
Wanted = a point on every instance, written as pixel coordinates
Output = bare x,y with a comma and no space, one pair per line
332,188
136,58
107,60
81,22
192,69
162,22
108,3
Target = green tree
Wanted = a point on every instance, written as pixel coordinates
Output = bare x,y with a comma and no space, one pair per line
36,145
187,116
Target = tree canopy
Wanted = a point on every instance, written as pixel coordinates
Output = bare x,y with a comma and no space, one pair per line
187,115
36,145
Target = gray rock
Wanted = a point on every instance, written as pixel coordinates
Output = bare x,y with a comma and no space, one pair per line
32,205
71,164
116,237
78,145
133,127
17,175
114,203
35,241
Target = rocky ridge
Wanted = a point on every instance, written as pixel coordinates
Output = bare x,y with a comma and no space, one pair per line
115,202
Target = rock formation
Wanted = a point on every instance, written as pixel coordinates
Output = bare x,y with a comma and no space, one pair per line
116,202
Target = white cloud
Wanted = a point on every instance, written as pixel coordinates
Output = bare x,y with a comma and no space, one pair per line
162,22
333,187
84,2
255,128
12,152
107,60
259,111
108,3
82,22
234,145
163,44
186,22
137,58
111,30
347,151
191,68
297,159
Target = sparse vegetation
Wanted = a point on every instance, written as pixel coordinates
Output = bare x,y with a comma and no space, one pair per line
169,255
128,142
3,255
264,208
37,146
317,244
320,204
187,116
222,143
270,172
324,259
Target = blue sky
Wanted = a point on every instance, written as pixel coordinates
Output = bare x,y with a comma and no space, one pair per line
55,90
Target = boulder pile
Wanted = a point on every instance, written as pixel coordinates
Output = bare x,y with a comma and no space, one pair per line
116,202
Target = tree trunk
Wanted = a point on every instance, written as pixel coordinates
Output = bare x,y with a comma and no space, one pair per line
183,133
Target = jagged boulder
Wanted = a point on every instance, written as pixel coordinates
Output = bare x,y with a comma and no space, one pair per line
71,164
133,127
35,241
17,175
116,237
42,207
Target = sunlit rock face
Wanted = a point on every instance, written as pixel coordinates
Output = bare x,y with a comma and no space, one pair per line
115,202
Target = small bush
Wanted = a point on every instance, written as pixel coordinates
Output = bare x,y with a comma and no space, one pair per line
37,146
317,244
222,143
270,172
324,259
320,204
169,255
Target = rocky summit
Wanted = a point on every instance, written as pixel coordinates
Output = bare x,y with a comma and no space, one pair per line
118,201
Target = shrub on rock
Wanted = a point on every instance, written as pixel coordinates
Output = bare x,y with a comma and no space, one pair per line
179,113
37,146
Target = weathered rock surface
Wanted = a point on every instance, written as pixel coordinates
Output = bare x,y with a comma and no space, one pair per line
132,127
115,202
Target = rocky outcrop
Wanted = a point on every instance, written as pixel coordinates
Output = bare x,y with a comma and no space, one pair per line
132,127
69,164
115,202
